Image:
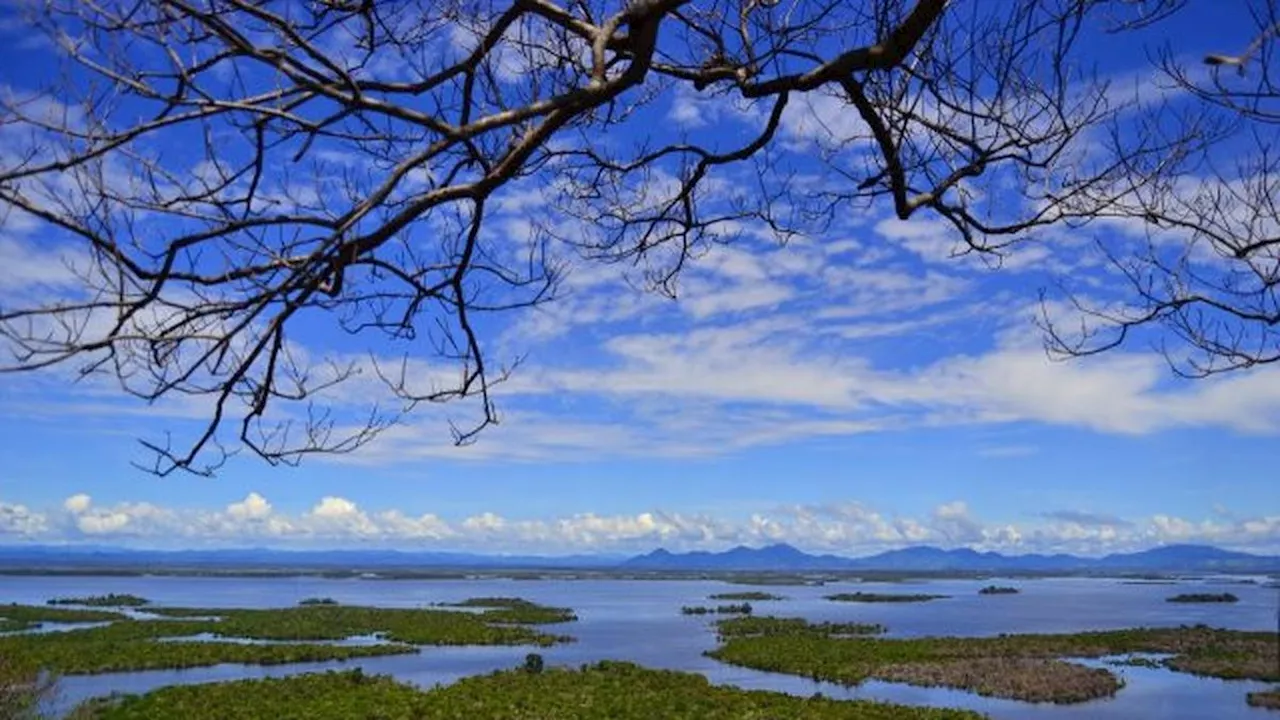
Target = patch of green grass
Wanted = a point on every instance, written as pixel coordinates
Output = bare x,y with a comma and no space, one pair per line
129,645
951,661
109,600
1204,598
135,644
607,691
517,611
45,613
768,625
883,597
756,595
415,626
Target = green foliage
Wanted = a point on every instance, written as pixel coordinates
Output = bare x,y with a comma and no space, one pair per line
1204,598
607,691
318,601
109,600
740,609
408,625
517,611
31,614
950,660
134,644
883,597
998,590
748,595
767,625
533,663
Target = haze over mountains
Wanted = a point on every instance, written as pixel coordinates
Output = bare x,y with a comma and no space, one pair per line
780,557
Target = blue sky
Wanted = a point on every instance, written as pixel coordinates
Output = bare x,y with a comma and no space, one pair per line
855,390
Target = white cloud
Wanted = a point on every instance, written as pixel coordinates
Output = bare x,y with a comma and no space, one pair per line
77,503
19,520
845,528
253,507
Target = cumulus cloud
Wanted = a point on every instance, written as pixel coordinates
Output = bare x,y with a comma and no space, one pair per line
846,528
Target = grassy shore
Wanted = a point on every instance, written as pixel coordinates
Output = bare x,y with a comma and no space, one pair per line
865,597
136,644
1019,667
748,626
15,617
516,610
607,691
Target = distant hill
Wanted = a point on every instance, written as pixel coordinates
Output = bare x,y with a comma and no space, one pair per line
776,558
1170,558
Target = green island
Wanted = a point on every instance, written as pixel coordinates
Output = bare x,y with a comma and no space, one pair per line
866,597
1018,667
1269,699
605,691
998,590
128,644
1204,598
109,600
756,595
516,610
769,625
14,617
318,601
740,609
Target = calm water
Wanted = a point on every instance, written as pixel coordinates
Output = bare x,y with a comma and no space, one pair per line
640,621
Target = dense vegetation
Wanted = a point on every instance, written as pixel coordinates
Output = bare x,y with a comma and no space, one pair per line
109,600
1021,667
767,625
883,597
739,609
607,691
517,610
756,595
1204,598
998,590
134,644
1269,699
15,617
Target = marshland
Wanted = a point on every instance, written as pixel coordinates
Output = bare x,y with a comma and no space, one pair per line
237,647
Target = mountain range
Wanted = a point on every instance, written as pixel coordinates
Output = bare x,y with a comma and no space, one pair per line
1168,558
773,558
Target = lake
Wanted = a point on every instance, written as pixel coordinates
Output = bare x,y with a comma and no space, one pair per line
640,621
